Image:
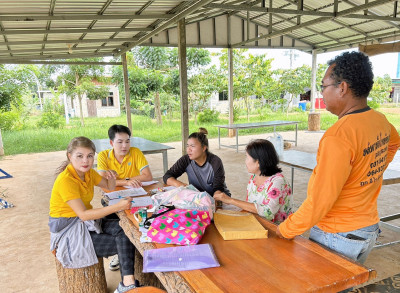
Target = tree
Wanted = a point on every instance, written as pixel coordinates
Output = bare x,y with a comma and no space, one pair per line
202,86
12,87
252,75
380,91
78,80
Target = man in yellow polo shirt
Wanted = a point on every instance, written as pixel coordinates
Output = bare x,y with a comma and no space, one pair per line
129,162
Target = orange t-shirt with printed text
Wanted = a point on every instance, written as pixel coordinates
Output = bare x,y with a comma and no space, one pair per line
344,186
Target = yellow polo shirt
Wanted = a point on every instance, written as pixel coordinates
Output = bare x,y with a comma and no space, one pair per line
133,163
69,186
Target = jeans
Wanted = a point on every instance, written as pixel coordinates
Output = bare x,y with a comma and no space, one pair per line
355,244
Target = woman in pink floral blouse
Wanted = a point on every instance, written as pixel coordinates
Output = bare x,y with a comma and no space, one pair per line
268,192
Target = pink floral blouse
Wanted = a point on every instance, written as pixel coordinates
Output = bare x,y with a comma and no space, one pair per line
272,199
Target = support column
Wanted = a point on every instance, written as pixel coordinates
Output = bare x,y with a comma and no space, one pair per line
231,132
183,83
313,117
127,92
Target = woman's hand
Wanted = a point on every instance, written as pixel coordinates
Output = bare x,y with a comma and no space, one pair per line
125,203
219,195
110,174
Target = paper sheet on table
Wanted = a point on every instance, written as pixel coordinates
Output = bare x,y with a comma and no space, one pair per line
147,183
179,258
124,193
137,202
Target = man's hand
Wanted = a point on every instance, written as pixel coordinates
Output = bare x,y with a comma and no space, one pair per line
133,182
279,234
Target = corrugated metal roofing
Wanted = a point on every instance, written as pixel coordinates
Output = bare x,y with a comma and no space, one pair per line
64,29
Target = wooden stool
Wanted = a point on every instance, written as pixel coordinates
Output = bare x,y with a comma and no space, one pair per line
83,280
147,289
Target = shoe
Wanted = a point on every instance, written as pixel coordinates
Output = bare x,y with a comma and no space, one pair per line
121,288
114,263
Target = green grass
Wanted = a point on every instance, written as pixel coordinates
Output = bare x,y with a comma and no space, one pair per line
33,140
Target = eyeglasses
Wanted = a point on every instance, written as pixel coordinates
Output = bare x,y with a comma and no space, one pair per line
322,87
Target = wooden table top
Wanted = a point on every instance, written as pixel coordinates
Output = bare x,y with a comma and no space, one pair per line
264,265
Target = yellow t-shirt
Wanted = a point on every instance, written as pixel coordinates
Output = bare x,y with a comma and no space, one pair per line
132,164
344,186
69,186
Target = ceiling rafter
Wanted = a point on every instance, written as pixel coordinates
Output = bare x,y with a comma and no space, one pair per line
315,21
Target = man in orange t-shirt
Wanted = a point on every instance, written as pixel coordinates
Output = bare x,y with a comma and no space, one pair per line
341,203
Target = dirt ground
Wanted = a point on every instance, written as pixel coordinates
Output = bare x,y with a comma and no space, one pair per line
27,264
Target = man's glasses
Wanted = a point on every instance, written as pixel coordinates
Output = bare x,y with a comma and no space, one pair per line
322,87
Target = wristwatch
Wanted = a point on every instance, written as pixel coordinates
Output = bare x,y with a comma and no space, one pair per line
127,179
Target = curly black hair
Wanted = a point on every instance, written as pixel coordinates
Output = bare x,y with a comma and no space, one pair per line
355,69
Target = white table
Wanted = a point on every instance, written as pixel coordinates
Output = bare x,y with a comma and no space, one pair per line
146,146
273,124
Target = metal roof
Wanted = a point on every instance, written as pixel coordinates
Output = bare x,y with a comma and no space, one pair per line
63,29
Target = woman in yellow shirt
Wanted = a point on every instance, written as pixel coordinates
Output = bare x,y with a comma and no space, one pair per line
78,239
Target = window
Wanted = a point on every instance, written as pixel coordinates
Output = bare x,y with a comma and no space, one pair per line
109,101
223,96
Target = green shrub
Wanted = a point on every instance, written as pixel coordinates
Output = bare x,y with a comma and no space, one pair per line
373,104
8,119
50,120
208,115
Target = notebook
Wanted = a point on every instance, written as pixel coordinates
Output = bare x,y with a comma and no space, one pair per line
233,225
179,258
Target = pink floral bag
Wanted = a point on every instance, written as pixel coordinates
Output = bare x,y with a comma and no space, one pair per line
179,226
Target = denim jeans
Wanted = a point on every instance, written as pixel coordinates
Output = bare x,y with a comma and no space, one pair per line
345,244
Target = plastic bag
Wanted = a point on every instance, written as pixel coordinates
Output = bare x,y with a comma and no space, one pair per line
277,141
186,197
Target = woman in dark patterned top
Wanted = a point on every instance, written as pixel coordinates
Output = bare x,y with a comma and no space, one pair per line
205,170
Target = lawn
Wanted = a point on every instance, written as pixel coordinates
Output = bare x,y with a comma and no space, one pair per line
33,140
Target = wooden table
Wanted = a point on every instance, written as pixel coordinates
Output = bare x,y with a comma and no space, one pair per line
146,146
307,162
262,265
253,125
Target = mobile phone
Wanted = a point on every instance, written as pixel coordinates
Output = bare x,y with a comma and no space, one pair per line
354,237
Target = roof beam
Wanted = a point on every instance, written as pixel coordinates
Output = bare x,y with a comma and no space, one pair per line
359,40
315,21
82,17
60,56
269,10
120,40
173,20
58,62
19,51
72,31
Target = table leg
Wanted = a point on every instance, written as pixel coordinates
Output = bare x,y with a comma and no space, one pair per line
219,137
296,135
237,140
165,161
292,179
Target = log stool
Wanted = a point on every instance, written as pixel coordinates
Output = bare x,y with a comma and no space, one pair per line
89,279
